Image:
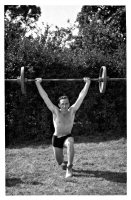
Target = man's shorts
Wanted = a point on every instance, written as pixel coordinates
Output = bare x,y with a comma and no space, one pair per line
59,141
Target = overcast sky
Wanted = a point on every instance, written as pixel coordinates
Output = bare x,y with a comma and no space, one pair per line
58,15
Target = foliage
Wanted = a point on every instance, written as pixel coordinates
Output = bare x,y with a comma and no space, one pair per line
59,54
19,20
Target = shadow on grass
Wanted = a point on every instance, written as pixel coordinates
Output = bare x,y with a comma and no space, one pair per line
11,182
118,177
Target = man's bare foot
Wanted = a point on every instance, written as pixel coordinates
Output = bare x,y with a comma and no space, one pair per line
69,172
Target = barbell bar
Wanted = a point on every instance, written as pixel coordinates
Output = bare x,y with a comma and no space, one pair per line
103,78
81,79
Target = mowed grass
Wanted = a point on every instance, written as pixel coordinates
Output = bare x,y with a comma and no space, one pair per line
99,169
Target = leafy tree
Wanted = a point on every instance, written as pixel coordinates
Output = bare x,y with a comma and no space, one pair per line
19,20
102,36
26,14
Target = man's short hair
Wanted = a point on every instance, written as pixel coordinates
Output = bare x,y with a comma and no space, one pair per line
62,97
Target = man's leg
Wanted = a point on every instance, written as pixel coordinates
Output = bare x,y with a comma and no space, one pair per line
58,152
69,144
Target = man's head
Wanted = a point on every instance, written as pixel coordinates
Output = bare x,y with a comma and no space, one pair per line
64,103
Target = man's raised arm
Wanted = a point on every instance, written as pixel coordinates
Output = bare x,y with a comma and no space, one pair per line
82,95
44,95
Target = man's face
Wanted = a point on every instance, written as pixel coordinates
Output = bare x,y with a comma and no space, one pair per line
64,104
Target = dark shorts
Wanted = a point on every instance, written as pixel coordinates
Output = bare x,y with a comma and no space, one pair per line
59,142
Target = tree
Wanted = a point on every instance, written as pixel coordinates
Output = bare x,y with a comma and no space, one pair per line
19,20
113,15
102,36
23,13
102,32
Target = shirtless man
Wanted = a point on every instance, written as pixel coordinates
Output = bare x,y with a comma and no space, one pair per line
63,119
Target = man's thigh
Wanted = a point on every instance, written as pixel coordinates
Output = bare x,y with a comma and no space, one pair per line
58,152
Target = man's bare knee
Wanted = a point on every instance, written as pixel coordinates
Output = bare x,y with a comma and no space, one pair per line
69,142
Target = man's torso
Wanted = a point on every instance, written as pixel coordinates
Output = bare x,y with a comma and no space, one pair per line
63,123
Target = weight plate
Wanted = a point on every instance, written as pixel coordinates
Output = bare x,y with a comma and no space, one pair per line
102,75
22,81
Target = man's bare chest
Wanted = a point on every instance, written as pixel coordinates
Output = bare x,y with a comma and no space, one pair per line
64,119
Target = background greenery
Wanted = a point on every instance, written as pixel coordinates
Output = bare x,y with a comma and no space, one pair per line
101,40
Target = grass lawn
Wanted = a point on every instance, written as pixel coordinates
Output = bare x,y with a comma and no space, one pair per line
99,169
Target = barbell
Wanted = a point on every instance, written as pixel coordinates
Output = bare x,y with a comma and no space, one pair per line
102,79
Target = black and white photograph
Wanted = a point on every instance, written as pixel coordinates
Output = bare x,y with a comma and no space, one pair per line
65,99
